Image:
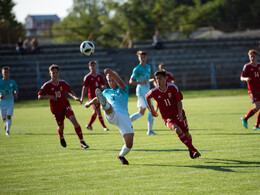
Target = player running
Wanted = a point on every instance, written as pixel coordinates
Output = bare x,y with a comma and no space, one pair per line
92,81
169,97
55,90
8,92
251,74
116,111
141,78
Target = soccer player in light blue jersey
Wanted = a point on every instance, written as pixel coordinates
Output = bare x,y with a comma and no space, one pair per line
8,92
141,78
114,102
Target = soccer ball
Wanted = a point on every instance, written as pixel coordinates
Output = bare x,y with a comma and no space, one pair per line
87,48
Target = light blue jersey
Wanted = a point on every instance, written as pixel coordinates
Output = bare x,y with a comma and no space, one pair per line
7,89
118,98
139,74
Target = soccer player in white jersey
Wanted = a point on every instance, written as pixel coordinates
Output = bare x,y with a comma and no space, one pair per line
8,92
114,102
141,78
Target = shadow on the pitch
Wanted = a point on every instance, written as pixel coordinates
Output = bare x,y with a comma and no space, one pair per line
228,165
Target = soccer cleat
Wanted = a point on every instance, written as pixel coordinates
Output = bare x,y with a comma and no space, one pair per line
151,133
244,122
89,127
63,142
191,154
123,160
84,145
256,128
7,133
196,154
106,129
100,97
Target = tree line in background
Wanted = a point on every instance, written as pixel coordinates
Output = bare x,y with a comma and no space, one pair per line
109,22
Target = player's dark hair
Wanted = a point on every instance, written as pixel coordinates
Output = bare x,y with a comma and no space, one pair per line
91,62
140,52
54,66
160,72
5,68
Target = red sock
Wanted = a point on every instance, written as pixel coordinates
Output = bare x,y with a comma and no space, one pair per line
92,119
257,120
79,132
250,113
60,133
100,118
187,142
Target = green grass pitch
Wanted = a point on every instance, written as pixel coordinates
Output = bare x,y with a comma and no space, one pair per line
33,162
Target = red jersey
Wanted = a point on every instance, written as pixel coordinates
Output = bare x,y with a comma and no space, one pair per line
170,78
93,82
167,100
253,72
58,90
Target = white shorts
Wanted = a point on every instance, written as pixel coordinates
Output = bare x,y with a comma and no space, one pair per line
7,112
122,121
141,102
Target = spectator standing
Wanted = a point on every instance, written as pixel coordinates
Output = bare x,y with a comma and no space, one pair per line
157,40
19,46
26,46
35,46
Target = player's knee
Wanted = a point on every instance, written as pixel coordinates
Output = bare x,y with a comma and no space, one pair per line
9,117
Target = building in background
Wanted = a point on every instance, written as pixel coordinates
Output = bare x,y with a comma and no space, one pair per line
39,25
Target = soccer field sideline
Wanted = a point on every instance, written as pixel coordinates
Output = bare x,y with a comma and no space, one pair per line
33,162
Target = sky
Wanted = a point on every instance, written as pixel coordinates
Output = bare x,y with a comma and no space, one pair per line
41,7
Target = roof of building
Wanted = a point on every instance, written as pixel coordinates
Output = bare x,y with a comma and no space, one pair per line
45,17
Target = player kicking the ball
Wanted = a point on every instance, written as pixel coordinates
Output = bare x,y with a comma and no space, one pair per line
54,90
116,111
169,97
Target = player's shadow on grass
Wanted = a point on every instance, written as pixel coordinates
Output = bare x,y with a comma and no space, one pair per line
227,166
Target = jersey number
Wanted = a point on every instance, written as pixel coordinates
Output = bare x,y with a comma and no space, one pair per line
167,102
256,74
57,94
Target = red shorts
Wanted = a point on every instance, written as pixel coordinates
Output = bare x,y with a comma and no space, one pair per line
182,124
59,118
254,97
96,106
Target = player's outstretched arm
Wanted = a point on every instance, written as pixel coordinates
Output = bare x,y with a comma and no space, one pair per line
83,93
132,81
150,106
179,105
51,97
245,79
73,95
116,78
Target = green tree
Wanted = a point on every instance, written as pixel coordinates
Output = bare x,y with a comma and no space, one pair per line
10,28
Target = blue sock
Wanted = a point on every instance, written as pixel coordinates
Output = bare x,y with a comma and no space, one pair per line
135,116
150,122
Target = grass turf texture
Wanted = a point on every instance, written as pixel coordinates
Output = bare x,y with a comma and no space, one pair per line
33,162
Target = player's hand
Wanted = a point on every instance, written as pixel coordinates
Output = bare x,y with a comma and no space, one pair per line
2,97
154,113
87,104
106,71
77,99
248,79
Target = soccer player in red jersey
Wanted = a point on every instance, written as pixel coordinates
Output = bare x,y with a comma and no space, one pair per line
91,82
55,90
169,97
251,74
170,78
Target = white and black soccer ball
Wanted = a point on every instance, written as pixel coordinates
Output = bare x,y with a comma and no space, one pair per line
87,48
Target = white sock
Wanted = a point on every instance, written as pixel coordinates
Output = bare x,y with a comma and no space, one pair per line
106,107
8,124
124,151
135,116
